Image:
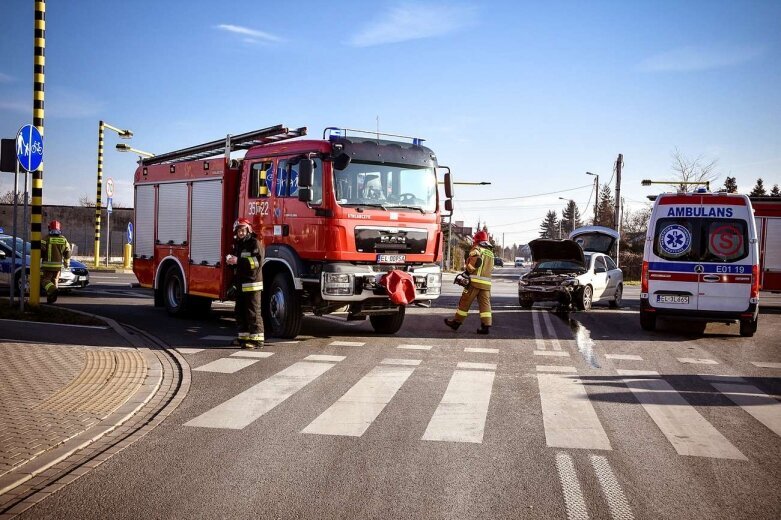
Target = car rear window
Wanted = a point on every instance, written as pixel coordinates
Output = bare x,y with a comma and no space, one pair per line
701,239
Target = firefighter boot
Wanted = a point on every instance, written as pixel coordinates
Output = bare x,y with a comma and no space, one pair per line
484,329
51,297
453,324
249,344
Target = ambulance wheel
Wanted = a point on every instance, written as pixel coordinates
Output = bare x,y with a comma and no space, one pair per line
283,309
647,321
584,297
388,323
173,293
748,328
615,303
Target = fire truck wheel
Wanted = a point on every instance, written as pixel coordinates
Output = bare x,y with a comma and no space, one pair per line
283,310
173,293
388,323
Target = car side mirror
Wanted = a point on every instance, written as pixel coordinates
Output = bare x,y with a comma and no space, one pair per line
305,194
448,185
305,171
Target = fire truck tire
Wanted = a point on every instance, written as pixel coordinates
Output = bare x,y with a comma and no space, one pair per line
173,293
283,309
388,323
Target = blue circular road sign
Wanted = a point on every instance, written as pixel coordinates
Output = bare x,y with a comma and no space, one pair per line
129,232
29,148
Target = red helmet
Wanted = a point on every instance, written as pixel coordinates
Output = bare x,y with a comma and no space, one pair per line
480,236
242,222
54,227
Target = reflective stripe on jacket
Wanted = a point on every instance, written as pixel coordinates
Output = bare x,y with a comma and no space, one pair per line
55,252
249,253
480,266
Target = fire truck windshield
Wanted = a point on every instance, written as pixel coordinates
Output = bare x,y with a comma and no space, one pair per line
387,186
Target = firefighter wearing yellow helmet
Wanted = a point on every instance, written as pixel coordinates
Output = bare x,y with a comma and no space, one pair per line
247,261
55,254
479,265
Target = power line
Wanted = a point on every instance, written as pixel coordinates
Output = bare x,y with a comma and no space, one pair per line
528,196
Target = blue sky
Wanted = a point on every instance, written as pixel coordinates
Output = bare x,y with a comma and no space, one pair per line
526,95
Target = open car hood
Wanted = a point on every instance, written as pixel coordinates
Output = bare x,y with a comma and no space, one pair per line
596,239
548,249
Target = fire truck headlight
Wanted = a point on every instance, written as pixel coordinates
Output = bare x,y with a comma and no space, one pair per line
434,280
338,284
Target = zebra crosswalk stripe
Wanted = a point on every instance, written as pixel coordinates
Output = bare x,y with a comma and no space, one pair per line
355,411
460,416
688,431
253,403
754,401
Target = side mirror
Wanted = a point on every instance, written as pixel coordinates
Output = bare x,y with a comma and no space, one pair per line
304,194
342,161
449,205
305,170
448,185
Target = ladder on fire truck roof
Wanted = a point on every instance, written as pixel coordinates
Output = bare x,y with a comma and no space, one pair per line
231,143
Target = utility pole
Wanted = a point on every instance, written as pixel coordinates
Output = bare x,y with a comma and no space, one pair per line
619,165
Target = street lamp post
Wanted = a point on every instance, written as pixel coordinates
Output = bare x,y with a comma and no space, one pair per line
122,147
596,194
124,134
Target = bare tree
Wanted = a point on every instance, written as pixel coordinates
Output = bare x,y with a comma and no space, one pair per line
693,170
8,197
86,202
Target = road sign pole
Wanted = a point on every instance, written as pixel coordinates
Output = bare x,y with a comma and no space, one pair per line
99,193
13,234
108,236
39,62
23,273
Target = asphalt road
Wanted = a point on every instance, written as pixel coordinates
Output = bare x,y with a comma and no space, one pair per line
553,416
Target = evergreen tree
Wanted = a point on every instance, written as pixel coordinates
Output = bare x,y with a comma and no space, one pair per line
550,226
775,192
566,218
759,189
730,185
606,207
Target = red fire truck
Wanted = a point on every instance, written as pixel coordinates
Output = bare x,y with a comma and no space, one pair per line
767,213
337,216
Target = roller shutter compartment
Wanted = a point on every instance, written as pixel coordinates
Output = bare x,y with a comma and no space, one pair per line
206,221
172,213
144,241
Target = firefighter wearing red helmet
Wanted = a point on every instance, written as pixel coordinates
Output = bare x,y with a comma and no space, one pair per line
55,254
247,261
479,265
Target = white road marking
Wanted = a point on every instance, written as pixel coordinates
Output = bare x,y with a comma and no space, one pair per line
556,368
460,416
184,350
465,365
567,413
551,332
252,354
218,338
482,350
616,500
695,361
226,365
627,357
253,403
348,343
557,353
355,411
415,347
754,401
323,357
688,431
763,364
537,332
570,487
394,361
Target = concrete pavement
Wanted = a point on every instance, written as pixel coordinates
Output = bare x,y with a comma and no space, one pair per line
70,397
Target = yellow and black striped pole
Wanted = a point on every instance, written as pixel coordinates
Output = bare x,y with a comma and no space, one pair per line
98,199
37,202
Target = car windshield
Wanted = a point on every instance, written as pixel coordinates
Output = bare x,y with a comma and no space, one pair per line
7,241
559,265
387,186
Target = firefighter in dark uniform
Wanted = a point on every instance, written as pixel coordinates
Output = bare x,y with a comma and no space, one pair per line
55,254
247,259
479,265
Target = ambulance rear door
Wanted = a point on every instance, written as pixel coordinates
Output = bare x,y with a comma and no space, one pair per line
725,264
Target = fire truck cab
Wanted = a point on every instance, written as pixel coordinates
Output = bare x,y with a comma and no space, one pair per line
336,215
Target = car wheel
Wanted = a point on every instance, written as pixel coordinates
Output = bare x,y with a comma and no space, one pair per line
748,328
647,321
388,323
585,298
615,303
283,310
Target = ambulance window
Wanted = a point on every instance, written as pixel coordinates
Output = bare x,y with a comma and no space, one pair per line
261,176
726,241
675,239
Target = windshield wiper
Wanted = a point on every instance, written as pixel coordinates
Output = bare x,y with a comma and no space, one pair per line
366,204
409,207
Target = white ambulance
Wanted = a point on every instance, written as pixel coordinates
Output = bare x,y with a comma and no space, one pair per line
701,261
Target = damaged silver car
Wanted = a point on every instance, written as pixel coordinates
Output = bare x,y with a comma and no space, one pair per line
574,273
